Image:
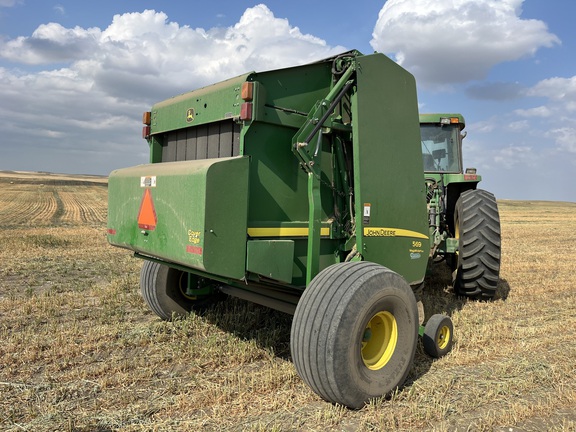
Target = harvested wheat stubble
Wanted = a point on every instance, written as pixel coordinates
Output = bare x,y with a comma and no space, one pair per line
80,351
35,202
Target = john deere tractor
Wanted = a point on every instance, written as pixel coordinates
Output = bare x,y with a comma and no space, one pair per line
302,189
464,221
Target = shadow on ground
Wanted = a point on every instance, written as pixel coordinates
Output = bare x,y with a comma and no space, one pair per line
438,298
270,329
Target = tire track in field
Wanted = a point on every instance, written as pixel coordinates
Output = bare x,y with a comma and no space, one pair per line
82,206
57,217
71,214
74,213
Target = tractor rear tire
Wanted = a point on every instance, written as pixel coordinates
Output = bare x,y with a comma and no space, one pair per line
164,290
354,333
477,262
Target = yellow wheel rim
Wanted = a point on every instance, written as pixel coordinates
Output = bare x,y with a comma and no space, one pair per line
457,229
379,340
443,337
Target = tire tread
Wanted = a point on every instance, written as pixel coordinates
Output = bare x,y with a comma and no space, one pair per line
478,269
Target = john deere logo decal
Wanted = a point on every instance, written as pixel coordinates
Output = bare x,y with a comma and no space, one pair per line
190,115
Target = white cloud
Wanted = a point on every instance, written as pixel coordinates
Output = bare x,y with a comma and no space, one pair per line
83,108
541,111
145,51
565,138
555,88
561,91
444,42
514,156
51,43
519,126
557,121
482,126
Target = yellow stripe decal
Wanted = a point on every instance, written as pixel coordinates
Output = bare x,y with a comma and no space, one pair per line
392,232
284,232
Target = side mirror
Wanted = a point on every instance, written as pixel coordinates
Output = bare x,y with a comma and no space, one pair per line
439,154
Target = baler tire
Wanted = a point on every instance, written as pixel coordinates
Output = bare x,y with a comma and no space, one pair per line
162,289
354,333
438,335
477,262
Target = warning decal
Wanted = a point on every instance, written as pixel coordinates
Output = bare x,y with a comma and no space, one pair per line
367,213
148,181
147,215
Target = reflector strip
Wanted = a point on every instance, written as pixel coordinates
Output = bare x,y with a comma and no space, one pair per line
284,232
247,91
147,215
246,111
196,250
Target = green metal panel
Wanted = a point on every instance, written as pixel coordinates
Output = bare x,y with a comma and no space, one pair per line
282,100
271,258
278,186
392,225
209,104
155,150
290,91
200,209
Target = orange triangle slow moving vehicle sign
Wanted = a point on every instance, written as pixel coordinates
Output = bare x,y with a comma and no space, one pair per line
147,214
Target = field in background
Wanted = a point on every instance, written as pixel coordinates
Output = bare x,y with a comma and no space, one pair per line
79,350
34,199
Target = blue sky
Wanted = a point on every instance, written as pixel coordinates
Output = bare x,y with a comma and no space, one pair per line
75,77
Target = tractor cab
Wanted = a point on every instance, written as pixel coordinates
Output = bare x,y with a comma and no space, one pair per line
446,179
441,139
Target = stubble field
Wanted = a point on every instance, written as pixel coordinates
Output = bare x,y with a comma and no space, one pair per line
79,350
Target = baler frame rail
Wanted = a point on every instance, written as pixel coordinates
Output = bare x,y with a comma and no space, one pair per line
284,300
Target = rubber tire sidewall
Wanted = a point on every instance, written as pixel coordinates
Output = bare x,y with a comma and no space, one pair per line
329,325
160,288
431,333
